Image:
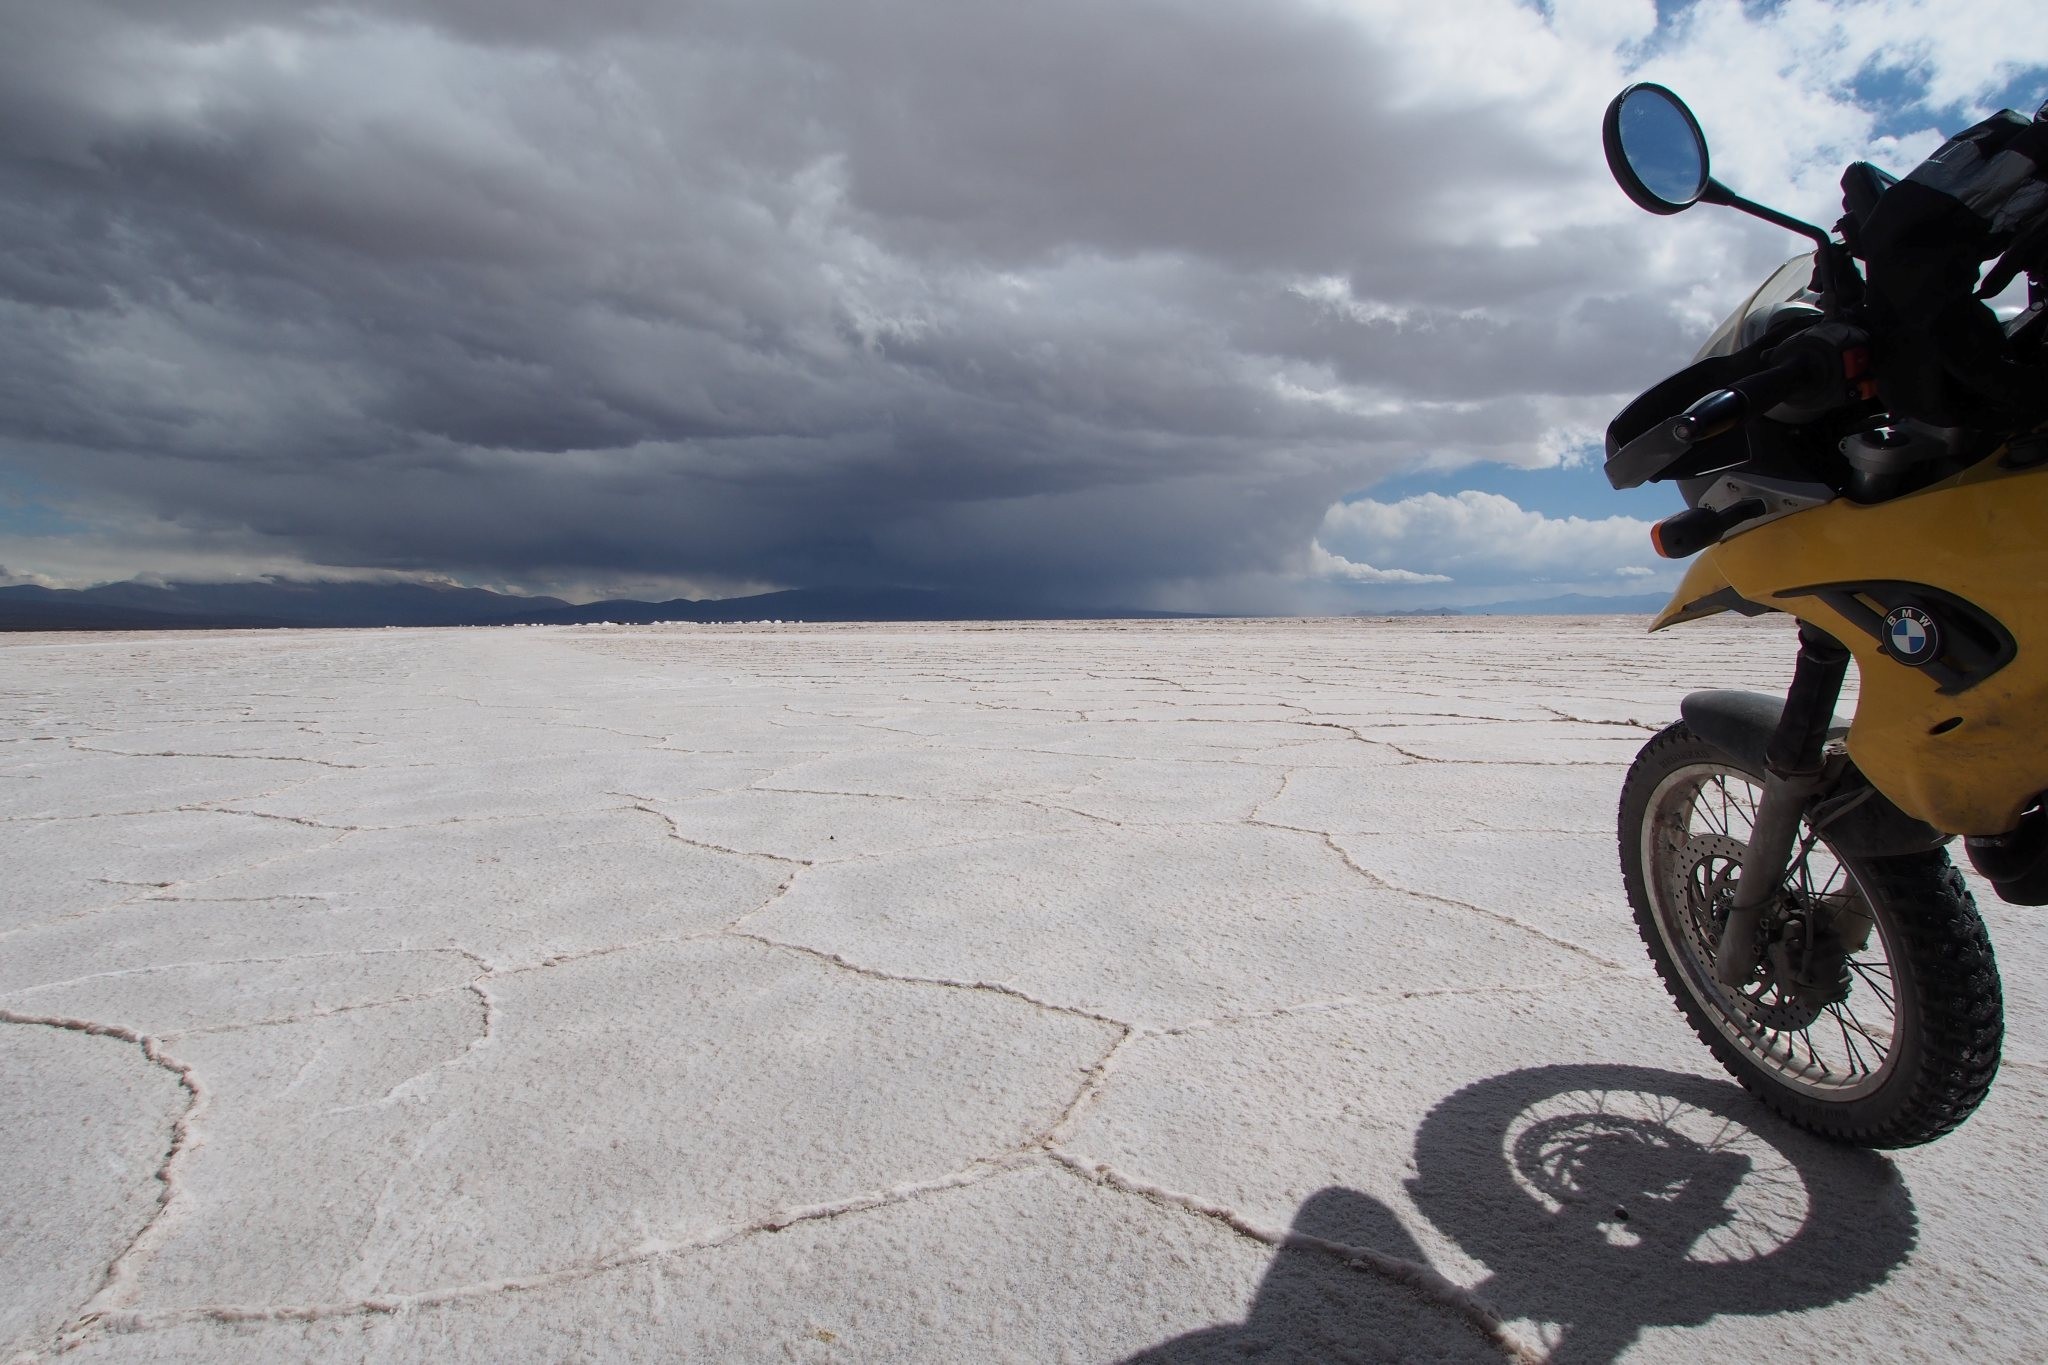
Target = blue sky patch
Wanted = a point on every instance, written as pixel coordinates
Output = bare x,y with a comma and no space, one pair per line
1555,492
28,506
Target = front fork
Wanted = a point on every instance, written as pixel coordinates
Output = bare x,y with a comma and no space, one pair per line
1793,771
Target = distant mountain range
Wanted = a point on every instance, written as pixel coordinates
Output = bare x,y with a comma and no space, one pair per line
1571,604
337,605
327,604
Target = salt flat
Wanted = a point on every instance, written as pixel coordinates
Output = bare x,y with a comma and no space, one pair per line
1046,992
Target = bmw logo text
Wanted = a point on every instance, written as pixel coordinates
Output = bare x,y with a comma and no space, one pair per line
1911,636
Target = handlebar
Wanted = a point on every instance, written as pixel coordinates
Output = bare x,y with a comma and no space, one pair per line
1816,362
1652,454
1726,409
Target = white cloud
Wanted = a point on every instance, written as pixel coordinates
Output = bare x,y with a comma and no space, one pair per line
1604,24
1484,538
1569,446
9,579
1323,564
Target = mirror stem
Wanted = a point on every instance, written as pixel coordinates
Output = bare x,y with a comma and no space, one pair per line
1718,193
1828,258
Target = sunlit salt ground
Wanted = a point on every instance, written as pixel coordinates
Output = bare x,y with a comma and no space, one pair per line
912,993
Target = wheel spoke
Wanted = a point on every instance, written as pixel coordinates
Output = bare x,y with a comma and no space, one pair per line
1800,861
1870,979
1747,805
1848,1043
1847,1016
1806,1036
1715,821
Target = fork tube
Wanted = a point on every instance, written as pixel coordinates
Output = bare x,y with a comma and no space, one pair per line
1793,771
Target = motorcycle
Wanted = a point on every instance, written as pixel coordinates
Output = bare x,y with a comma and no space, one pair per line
1861,445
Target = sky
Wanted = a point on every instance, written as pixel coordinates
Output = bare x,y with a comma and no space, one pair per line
1205,305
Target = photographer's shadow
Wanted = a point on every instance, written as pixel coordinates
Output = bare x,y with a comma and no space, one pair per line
1601,1200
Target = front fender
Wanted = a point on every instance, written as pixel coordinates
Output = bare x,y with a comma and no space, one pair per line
1857,819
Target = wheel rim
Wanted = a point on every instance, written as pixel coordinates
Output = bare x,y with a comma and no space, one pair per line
1698,823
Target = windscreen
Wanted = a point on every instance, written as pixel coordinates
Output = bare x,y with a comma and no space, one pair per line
1789,281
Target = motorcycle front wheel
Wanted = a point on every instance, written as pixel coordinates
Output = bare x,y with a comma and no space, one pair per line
1874,1016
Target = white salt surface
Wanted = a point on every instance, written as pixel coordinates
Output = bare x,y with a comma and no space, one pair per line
1176,992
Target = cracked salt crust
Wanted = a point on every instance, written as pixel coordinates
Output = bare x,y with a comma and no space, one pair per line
830,827
69,867
1258,918
1549,881
1149,792
1019,992
934,774
74,786
949,1276
174,996
518,890
488,789
1495,743
703,1085
1432,797
83,1145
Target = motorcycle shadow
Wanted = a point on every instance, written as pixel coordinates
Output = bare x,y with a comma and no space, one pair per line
1601,1200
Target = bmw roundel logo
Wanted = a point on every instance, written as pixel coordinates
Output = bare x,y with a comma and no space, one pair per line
1911,636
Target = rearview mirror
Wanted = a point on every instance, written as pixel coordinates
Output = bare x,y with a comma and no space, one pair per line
1655,149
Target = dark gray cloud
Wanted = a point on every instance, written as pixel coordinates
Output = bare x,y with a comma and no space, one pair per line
1099,300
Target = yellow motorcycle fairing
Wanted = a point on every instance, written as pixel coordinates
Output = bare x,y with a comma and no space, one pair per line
1957,746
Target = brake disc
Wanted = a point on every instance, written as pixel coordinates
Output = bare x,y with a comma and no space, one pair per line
1709,867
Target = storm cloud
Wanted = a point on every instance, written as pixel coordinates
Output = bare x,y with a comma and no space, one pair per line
1109,303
